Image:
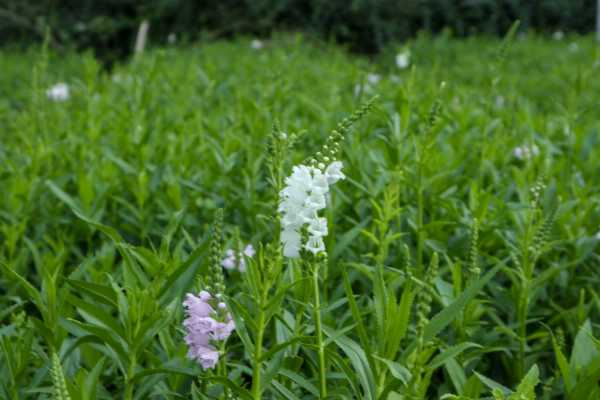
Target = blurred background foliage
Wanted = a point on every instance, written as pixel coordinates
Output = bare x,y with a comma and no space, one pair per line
109,26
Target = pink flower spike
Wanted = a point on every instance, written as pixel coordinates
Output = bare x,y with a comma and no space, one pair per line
204,325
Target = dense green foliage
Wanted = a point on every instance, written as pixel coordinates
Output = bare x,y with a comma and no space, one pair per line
454,268
109,26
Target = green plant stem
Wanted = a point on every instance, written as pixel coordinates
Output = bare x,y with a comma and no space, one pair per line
523,305
128,385
222,368
319,332
420,212
256,369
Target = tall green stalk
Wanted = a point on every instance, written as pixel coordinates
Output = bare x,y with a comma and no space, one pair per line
258,347
319,332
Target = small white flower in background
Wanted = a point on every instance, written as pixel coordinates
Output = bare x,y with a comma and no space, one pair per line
526,152
172,38
403,59
373,79
558,35
368,86
300,201
597,236
257,44
231,261
358,88
58,92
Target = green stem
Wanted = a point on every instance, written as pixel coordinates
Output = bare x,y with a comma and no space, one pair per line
128,384
222,367
319,332
256,370
527,273
420,212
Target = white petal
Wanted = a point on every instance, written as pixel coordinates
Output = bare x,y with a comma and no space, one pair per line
334,173
319,182
318,227
291,243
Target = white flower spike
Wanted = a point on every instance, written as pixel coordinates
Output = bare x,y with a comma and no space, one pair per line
303,197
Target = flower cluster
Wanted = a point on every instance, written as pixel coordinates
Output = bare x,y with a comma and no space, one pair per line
207,321
526,152
58,92
300,201
231,261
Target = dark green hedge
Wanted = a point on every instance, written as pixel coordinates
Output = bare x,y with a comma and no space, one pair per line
366,25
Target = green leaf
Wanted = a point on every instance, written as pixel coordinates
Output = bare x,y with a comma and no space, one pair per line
122,247
63,196
397,370
448,314
97,313
281,346
526,389
31,291
286,393
568,374
358,359
398,322
356,315
456,373
88,390
101,293
586,387
584,350
300,381
450,352
183,272
492,384
191,372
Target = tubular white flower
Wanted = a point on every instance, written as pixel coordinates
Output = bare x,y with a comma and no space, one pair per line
333,173
319,182
318,227
315,244
291,240
316,201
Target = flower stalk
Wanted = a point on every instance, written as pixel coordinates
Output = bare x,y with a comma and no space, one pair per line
258,347
319,331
